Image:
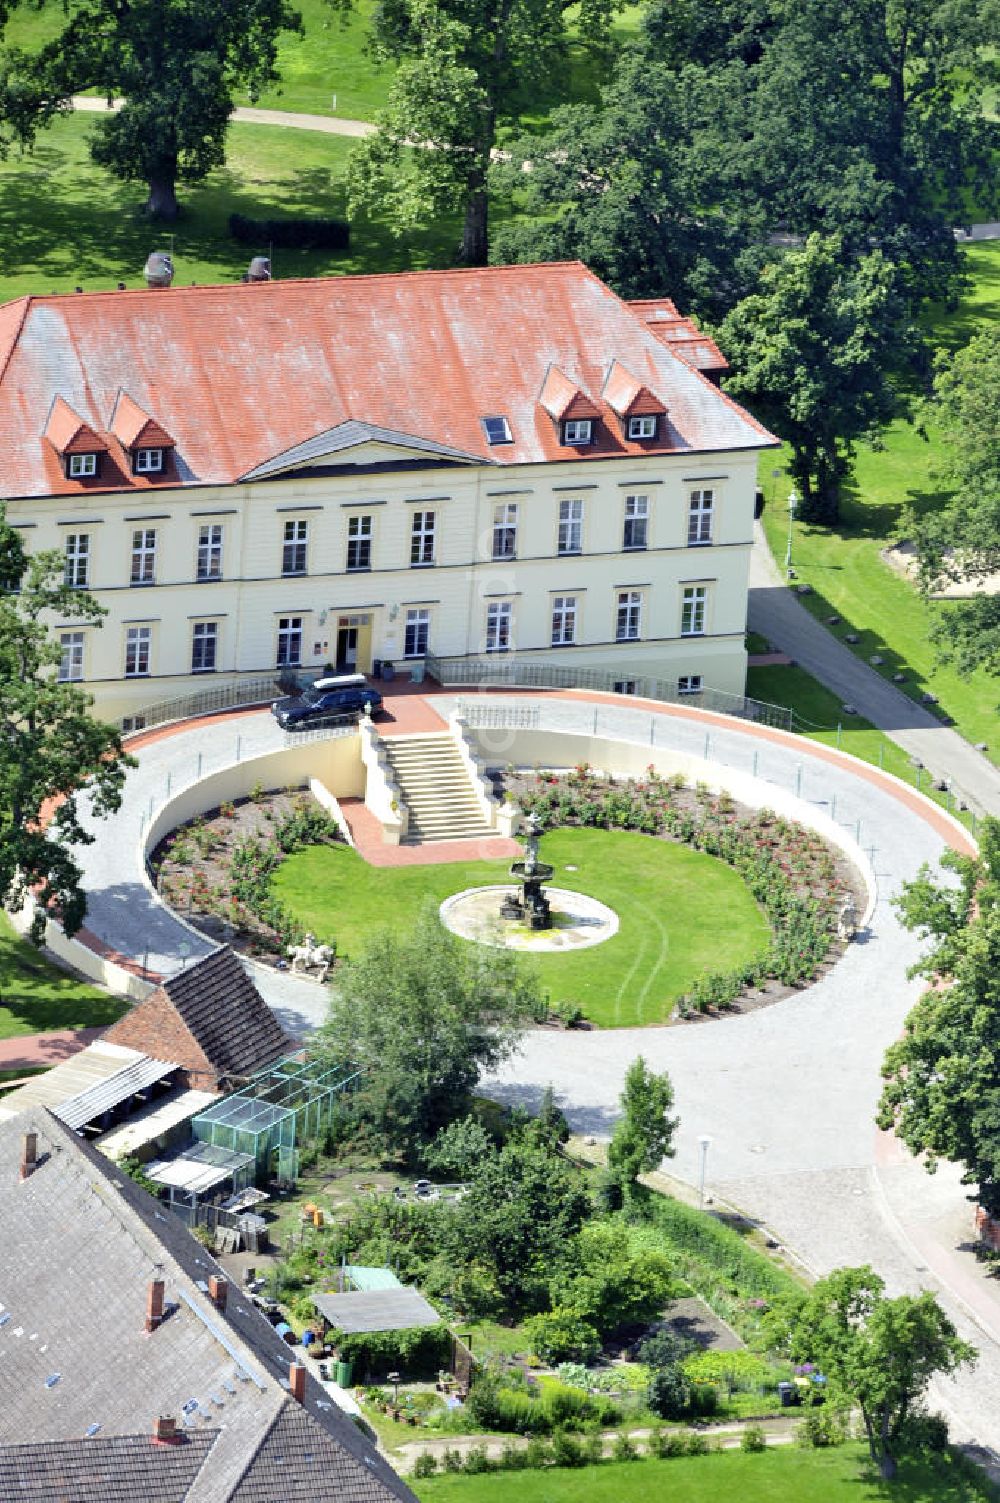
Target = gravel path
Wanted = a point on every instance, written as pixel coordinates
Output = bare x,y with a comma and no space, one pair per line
774,612
331,125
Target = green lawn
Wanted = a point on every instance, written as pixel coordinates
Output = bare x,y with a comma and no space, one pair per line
35,997
845,568
668,898
64,222
785,1475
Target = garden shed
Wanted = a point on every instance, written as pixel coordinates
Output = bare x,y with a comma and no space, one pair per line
279,1109
363,1311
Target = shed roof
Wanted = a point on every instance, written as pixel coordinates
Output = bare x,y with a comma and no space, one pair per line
100,1061
198,1168
371,1278
376,1310
104,1095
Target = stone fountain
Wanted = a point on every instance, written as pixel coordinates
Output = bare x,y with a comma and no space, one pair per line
532,906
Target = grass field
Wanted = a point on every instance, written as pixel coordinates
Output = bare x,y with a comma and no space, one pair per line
65,223
786,1475
668,899
844,567
35,997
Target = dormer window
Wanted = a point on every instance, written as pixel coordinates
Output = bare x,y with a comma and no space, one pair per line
577,431
148,461
642,427
497,430
81,466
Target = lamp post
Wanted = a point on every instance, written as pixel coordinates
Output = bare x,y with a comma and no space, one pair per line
793,502
704,1143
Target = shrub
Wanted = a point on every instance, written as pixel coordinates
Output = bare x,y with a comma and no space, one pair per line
295,234
704,1400
477,1460
753,1439
513,1458
537,1453
821,1428
562,1335
624,1448
569,1405
451,1461
924,1432
669,1393
567,1450
697,1445
667,1443
425,1464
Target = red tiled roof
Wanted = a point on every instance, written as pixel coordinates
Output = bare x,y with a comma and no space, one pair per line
135,429
629,397
68,433
563,398
242,373
680,334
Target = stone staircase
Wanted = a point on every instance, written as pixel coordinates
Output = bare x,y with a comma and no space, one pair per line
435,786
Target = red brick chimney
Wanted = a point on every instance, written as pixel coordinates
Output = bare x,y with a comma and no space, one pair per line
218,1290
165,1432
29,1154
297,1380
154,1304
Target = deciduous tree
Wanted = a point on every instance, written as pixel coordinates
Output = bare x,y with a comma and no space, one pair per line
880,1353
52,751
644,1135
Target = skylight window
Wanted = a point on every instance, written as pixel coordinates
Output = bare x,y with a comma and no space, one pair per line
497,430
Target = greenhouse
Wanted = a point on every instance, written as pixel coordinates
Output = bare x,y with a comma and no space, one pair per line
281,1108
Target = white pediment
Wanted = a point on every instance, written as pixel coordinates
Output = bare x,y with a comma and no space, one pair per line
361,444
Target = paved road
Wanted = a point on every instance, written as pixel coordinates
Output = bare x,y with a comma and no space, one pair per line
774,612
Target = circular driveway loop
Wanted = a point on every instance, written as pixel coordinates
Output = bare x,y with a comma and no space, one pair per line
787,1093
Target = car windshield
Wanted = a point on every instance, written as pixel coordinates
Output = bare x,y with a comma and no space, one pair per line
313,697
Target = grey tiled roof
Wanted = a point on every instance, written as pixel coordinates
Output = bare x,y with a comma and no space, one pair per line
299,1463
116,1469
80,1244
227,1015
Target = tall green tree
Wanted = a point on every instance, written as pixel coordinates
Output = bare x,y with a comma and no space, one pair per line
177,64
960,541
52,752
942,1077
464,69
814,351
879,1353
423,1014
644,1134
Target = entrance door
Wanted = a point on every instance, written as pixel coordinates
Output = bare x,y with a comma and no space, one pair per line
347,649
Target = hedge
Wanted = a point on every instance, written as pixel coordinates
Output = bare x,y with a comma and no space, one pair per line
295,234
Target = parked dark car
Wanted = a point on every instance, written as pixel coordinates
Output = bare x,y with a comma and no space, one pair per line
327,698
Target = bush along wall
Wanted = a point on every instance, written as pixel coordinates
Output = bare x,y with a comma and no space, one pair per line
791,871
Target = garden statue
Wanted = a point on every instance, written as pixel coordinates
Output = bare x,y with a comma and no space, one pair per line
532,905
847,919
312,956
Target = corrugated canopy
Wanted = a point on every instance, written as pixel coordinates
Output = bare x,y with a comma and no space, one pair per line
376,1310
77,1111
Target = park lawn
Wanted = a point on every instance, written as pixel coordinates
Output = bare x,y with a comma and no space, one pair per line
65,222
780,1475
36,997
668,899
844,567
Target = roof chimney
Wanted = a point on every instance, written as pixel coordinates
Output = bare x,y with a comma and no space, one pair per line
29,1154
154,1304
165,1431
159,269
260,269
297,1381
218,1289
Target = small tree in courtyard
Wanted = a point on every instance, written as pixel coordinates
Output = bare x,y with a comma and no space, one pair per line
645,1133
51,748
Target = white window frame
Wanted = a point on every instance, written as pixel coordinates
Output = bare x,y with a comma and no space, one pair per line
204,634
289,650
628,615
423,532
499,625
505,530
689,683
624,686
416,633
82,466
143,566
76,571
148,461
295,547
578,431
71,657
209,565
635,532
701,506
359,540
138,651
497,435
642,427
570,538
694,610
564,618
